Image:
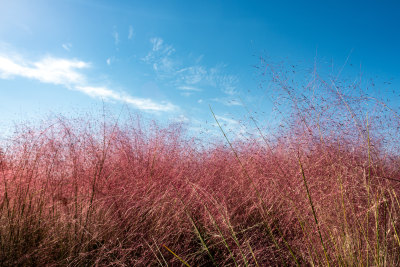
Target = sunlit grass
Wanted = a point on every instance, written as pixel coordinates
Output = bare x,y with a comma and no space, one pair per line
109,192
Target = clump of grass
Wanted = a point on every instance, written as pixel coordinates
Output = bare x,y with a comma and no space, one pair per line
324,192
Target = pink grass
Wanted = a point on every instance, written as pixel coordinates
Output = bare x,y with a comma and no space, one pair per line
111,193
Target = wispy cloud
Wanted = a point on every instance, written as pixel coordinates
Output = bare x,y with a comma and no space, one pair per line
232,127
67,73
188,76
228,84
228,101
186,94
67,46
140,103
116,37
226,120
130,32
101,92
160,58
110,60
157,43
181,119
192,74
189,88
148,104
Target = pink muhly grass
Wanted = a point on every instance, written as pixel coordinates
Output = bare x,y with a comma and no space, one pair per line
128,192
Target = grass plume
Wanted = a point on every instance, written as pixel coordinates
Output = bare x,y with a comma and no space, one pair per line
131,193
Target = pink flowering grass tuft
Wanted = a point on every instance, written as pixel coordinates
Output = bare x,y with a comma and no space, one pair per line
131,193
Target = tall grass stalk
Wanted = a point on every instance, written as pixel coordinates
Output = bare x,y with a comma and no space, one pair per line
179,258
258,194
224,240
313,211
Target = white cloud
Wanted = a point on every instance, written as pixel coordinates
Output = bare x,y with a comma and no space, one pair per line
228,101
186,94
226,120
139,103
225,82
192,74
116,37
160,58
102,92
189,88
228,84
232,126
148,104
131,32
188,77
47,70
66,72
67,46
181,119
109,60
157,43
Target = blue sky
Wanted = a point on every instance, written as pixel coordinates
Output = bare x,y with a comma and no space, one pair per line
170,60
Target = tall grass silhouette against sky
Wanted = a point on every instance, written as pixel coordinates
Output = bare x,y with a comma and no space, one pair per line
199,134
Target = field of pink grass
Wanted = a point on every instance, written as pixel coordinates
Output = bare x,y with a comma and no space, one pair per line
325,192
